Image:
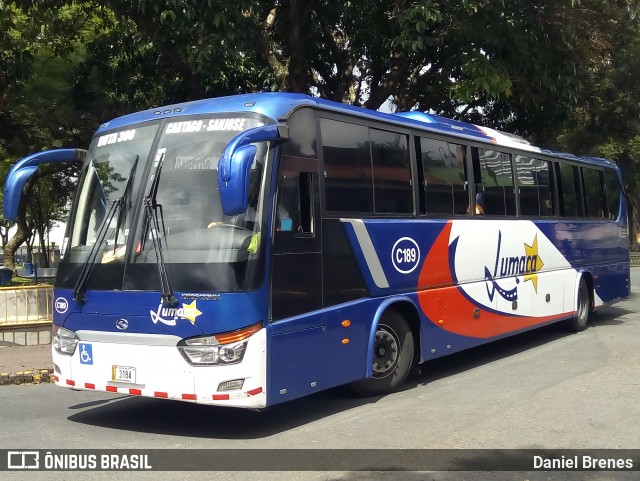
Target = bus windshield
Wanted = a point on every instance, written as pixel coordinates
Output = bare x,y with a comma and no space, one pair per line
202,248
104,177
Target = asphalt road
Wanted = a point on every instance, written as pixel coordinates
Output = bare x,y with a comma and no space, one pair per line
543,389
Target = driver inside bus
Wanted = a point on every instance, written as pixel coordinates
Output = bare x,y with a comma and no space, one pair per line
248,218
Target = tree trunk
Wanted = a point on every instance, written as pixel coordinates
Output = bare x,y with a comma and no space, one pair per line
44,253
30,249
299,14
11,247
23,232
4,233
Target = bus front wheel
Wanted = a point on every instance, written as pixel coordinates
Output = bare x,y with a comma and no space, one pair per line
583,307
392,356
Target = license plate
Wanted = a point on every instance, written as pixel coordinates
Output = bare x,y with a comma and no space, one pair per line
123,374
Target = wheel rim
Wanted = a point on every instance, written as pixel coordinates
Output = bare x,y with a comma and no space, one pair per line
386,351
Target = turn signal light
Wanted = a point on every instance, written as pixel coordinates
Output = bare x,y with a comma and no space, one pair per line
240,335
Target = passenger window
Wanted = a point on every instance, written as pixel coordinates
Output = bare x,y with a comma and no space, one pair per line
444,177
613,193
347,167
498,196
569,191
542,170
534,186
595,201
391,172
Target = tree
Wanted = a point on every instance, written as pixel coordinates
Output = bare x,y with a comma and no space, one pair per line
37,112
4,223
15,54
607,121
47,205
522,66
515,65
186,50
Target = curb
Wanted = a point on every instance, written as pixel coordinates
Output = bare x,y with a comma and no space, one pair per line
30,377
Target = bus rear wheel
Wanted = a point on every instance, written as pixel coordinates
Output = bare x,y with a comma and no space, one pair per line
583,304
392,356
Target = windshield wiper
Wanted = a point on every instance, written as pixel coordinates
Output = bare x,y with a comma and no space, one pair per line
152,224
118,206
124,202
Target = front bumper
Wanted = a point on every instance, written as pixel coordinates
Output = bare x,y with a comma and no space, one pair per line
160,369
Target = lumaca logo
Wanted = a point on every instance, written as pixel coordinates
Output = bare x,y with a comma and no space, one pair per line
169,315
527,266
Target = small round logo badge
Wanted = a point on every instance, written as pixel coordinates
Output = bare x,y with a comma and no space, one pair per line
405,255
122,324
61,305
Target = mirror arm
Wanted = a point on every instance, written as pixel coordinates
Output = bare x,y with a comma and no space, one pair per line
266,133
24,169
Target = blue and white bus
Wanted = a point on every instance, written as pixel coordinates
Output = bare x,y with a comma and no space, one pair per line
253,249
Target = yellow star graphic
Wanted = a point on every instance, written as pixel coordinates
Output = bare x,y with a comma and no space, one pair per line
190,311
534,263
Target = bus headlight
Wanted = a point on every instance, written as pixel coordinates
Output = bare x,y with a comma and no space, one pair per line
199,352
65,341
220,349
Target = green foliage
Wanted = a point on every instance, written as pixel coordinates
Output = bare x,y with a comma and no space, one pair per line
529,67
37,110
185,50
606,122
15,54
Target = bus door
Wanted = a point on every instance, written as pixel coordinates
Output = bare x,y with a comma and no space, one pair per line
297,347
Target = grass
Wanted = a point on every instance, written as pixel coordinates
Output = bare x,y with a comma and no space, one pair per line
17,281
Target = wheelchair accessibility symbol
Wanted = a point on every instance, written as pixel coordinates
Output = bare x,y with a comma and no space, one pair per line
86,353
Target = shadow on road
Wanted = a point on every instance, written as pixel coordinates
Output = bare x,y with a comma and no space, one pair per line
177,418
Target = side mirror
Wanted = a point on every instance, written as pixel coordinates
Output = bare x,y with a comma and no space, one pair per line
235,165
235,193
24,169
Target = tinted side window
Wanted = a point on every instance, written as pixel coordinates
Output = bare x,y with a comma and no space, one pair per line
302,135
542,170
527,186
347,166
498,197
595,202
569,191
613,193
391,172
443,177
534,181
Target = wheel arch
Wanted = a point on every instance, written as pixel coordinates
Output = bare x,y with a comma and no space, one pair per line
408,310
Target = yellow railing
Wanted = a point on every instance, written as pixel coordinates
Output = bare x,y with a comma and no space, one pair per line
26,305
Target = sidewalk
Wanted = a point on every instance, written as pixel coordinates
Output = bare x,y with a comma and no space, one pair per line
25,364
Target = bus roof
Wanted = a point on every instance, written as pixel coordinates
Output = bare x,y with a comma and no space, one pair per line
280,105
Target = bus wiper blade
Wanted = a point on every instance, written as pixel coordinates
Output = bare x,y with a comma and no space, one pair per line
81,284
124,202
118,206
151,208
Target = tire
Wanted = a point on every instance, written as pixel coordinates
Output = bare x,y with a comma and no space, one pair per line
580,321
392,356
